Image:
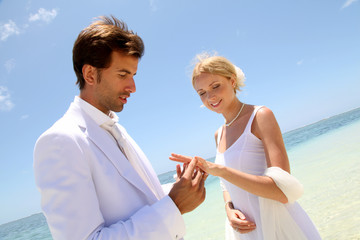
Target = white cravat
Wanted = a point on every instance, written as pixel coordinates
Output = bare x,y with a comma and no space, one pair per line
111,127
129,152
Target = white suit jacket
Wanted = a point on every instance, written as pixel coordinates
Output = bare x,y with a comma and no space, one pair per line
89,190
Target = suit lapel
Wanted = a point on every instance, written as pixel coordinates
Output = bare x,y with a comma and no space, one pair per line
103,141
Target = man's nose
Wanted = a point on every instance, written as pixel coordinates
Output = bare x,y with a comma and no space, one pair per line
131,87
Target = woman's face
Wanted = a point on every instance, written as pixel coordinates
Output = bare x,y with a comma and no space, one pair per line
215,91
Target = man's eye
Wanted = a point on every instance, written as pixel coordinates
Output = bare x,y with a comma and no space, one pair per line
201,93
216,86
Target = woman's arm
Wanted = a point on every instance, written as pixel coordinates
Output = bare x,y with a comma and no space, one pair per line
266,128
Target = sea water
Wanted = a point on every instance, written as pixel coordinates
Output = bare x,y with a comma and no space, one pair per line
324,156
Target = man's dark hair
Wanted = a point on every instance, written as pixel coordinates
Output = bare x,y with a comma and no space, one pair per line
96,42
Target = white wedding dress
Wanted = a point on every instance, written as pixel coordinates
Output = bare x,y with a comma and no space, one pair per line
247,155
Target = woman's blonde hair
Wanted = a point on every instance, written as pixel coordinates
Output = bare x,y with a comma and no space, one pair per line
206,63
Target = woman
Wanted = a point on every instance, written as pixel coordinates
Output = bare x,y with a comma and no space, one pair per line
251,160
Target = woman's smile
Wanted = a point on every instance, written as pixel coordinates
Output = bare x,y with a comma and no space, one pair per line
215,105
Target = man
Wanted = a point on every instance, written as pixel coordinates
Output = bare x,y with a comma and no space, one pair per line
94,180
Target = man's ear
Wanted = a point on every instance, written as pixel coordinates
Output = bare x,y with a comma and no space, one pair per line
89,73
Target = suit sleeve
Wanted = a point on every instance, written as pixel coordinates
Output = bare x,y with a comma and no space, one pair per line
70,204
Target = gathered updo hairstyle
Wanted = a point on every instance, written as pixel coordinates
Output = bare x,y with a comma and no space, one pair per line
205,63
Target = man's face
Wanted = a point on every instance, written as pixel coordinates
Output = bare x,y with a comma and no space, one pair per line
115,83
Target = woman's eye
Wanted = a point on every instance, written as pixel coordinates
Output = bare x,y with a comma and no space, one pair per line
216,86
201,93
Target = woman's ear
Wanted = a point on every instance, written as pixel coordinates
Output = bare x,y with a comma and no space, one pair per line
233,81
89,73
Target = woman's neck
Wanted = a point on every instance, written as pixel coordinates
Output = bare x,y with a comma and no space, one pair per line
232,110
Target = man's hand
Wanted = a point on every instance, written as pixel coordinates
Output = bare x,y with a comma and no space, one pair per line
189,192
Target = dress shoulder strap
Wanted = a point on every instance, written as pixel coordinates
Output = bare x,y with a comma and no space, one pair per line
219,133
251,119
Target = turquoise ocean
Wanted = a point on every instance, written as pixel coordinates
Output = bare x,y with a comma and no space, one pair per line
324,156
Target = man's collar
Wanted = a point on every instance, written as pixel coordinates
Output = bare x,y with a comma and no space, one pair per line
98,116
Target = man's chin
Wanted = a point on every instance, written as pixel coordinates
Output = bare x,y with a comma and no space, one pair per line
118,109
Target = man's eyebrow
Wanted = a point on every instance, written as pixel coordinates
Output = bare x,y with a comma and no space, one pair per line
125,70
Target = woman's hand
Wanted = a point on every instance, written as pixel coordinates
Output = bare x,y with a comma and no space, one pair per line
180,171
238,221
206,166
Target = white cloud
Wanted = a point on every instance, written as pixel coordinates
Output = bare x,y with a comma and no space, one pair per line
8,29
5,99
348,3
10,65
300,62
23,117
43,15
153,5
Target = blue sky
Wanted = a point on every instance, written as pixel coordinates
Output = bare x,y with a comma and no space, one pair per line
300,58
